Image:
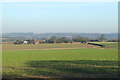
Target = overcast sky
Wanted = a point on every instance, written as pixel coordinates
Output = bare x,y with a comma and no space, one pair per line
42,17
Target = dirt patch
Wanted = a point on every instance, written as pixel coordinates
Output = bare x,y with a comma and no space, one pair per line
61,48
98,48
12,47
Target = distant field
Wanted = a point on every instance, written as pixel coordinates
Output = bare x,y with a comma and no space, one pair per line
44,46
108,44
85,62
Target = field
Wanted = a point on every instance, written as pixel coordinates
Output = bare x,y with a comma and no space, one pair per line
108,44
60,61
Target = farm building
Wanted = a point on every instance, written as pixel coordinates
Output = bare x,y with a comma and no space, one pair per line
25,42
36,42
41,41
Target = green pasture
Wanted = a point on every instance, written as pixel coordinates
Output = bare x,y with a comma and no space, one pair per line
84,62
13,47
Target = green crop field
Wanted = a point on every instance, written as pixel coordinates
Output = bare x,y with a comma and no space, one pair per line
14,47
108,44
46,61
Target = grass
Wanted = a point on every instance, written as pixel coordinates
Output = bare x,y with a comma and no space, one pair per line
84,62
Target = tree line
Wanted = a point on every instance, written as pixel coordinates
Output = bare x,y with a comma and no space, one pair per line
54,39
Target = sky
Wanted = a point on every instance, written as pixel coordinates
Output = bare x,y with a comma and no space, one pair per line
58,17
59,0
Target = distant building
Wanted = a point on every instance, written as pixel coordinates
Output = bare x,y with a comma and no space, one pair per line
36,42
25,42
42,41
